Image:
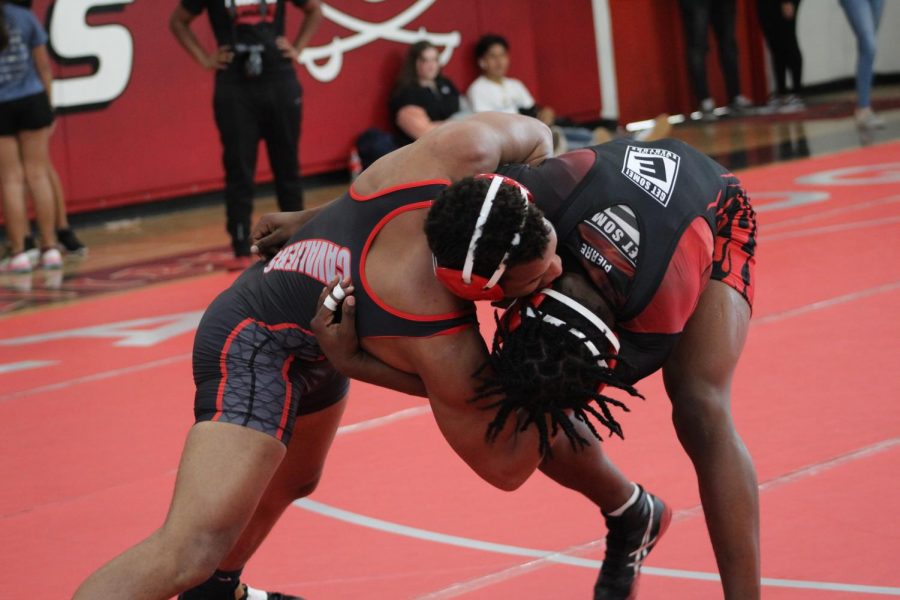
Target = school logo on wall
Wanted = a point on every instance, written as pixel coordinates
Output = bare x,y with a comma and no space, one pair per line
654,170
108,48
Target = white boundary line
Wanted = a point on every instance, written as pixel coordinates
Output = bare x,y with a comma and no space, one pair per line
544,558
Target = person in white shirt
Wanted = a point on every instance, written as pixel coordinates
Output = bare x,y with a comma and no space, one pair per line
494,91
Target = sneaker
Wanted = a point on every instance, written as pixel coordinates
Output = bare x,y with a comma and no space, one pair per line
255,594
740,105
791,104
707,110
51,259
18,263
866,119
70,242
630,538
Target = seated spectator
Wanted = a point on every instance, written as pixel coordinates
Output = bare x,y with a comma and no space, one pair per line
422,98
494,91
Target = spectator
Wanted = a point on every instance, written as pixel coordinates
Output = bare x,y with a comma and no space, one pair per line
697,16
422,97
778,19
864,17
257,96
26,117
494,91
66,237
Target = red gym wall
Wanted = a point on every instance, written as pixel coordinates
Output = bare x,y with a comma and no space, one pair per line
156,139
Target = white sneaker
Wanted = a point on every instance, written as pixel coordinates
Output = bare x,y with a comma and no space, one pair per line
866,119
51,259
19,263
707,110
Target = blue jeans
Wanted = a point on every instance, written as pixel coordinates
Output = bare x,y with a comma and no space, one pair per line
864,17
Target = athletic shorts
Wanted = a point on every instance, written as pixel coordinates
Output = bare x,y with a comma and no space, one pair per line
734,256
28,113
259,375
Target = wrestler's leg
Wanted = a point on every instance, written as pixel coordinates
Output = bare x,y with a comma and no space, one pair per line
698,378
296,477
223,472
587,471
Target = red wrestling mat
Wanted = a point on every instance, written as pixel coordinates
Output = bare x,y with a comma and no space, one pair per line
95,398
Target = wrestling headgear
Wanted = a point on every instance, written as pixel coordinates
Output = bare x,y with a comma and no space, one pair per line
563,311
467,284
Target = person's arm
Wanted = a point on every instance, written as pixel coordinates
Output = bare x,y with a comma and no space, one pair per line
414,121
42,65
312,18
180,26
273,230
446,364
338,341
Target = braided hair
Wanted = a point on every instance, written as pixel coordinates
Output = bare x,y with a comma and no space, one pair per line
451,222
540,370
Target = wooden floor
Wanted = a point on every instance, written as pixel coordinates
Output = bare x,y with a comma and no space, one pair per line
152,246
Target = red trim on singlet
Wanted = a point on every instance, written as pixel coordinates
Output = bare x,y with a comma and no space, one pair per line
450,331
679,290
288,388
365,282
396,188
223,365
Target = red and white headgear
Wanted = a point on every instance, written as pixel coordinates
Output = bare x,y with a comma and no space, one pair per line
465,283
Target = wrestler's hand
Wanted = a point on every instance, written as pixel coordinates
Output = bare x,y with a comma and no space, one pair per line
335,324
273,230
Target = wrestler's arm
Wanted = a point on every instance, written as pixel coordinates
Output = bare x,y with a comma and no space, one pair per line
273,230
446,364
458,149
338,341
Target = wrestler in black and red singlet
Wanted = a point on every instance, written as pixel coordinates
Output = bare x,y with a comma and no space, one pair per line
648,224
256,363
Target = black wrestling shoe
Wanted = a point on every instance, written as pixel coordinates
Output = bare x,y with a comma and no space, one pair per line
255,594
630,538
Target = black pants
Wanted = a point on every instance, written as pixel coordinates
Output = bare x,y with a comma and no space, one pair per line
247,112
698,15
781,36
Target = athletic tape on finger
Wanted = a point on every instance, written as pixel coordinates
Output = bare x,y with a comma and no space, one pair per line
338,293
330,303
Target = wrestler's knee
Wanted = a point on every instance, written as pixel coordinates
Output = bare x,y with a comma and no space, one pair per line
196,554
701,422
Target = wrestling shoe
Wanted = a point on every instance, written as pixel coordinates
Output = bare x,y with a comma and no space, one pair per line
629,539
255,594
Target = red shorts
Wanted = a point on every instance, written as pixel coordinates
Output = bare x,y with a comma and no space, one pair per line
734,256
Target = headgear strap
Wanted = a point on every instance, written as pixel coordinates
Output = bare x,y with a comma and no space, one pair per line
468,265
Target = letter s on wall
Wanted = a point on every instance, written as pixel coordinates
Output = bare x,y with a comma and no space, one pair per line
111,46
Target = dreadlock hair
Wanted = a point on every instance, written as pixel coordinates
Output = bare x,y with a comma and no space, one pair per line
4,29
540,370
451,222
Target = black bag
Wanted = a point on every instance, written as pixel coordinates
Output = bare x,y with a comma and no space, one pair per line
372,144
